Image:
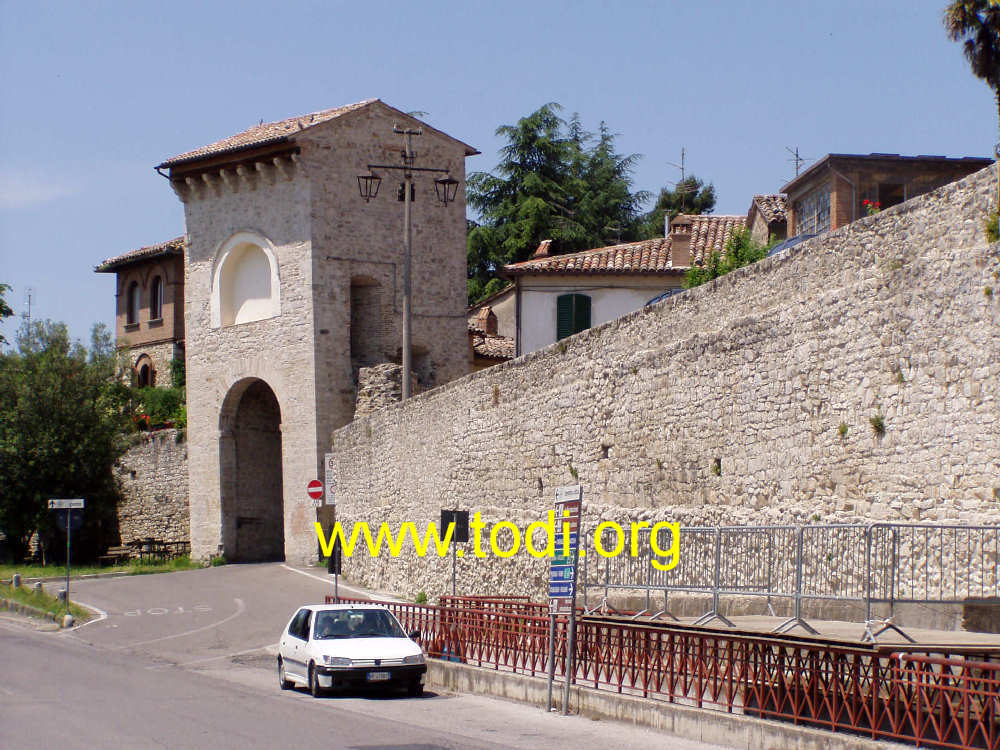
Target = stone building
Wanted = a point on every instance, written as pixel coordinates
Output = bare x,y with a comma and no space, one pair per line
149,308
833,191
293,284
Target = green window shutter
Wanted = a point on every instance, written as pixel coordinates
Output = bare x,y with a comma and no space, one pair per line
581,313
572,314
564,316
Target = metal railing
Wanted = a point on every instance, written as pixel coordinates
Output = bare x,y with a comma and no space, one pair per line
933,697
871,564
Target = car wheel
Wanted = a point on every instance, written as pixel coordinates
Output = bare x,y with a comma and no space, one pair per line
283,682
314,687
415,689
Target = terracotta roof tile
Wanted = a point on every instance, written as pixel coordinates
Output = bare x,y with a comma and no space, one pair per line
647,256
170,247
771,207
268,132
500,348
711,233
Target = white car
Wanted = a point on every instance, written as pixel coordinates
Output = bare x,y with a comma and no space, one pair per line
325,646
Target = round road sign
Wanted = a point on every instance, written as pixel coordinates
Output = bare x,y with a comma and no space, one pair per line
315,489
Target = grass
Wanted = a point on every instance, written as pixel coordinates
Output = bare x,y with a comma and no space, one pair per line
45,602
134,567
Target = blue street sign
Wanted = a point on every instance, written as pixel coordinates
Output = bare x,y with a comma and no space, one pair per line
561,573
560,588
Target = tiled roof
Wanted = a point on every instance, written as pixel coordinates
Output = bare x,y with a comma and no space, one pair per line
710,233
647,256
771,207
500,348
170,247
265,133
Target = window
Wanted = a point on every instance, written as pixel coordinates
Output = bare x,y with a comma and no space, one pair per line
156,299
132,304
890,194
299,628
812,212
572,314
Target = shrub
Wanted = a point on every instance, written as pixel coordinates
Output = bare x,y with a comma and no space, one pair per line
421,598
160,405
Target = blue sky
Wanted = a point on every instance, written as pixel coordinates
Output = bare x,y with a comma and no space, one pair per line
93,94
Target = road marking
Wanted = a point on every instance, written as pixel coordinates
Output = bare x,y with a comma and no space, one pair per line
240,609
101,615
328,582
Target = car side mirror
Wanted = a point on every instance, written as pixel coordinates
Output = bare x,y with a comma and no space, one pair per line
414,635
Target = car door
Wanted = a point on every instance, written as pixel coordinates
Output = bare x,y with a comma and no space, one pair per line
293,645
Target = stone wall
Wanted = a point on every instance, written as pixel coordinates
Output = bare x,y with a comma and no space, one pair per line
749,400
154,481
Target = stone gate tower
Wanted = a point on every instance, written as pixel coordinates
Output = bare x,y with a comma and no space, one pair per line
292,283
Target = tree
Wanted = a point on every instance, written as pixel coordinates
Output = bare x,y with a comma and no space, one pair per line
689,196
554,181
741,250
5,311
63,424
976,24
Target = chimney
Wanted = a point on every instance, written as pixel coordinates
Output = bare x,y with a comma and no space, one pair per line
487,321
680,241
543,249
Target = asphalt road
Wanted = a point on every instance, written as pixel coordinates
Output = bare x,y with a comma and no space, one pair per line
180,661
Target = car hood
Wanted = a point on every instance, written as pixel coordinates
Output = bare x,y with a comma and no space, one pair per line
368,648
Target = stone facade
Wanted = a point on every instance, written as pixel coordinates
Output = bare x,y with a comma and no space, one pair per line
153,478
722,405
297,198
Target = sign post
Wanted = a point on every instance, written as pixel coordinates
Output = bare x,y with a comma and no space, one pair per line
334,566
68,506
460,535
562,581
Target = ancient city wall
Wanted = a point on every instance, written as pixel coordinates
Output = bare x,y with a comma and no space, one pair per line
154,482
748,400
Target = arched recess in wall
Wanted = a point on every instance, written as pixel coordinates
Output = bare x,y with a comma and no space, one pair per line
245,284
132,303
145,373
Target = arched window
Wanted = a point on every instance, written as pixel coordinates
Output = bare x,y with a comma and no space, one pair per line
145,375
132,304
245,286
572,314
156,299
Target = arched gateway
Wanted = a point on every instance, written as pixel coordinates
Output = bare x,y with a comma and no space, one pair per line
253,528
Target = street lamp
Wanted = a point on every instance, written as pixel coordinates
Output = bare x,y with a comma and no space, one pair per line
446,189
368,185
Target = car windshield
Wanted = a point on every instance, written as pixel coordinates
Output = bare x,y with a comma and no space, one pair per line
357,623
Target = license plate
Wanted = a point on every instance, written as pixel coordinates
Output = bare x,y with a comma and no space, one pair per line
377,676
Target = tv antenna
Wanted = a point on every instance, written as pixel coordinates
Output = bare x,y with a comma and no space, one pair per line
681,165
798,160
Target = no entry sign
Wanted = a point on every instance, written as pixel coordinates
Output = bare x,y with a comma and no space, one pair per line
315,491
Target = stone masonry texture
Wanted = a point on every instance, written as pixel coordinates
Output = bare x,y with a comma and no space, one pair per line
722,405
153,476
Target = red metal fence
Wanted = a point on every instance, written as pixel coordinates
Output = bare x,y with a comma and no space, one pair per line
930,696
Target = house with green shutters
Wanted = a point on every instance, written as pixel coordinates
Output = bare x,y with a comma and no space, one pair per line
556,296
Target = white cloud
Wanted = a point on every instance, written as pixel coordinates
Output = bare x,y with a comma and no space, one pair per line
25,189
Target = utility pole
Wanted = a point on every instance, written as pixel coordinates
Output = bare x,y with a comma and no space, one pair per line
446,188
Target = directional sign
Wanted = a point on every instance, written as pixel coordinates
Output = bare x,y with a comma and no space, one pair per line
330,477
65,504
560,588
567,494
560,605
561,573
315,491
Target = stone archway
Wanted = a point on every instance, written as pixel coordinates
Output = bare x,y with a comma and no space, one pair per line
253,528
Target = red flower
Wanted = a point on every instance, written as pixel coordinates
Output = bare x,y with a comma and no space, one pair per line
878,205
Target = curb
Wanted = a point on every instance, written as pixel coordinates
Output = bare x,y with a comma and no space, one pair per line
704,725
26,609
